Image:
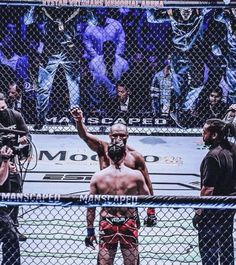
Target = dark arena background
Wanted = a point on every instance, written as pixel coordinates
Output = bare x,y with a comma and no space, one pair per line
161,67
168,60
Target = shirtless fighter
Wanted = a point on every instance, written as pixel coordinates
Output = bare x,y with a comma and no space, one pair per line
117,225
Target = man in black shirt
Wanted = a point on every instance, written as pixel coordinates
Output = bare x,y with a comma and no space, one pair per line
218,178
11,119
8,233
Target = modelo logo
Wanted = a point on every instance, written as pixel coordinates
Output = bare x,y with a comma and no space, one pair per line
63,156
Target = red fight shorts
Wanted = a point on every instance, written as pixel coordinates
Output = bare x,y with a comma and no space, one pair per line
118,229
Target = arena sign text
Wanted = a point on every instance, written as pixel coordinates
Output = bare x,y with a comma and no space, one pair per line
109,3
132,121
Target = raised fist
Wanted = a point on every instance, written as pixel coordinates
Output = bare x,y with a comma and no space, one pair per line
76,113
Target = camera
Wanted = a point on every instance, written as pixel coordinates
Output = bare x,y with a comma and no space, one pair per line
11,141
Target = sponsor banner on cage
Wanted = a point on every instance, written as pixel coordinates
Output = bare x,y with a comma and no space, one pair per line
131,121
69,153
29,197
9,199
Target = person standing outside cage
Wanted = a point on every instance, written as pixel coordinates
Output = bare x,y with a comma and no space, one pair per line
218,178
133,159
117,225
11,119
8,233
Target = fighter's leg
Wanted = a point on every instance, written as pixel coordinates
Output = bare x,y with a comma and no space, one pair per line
128,233
130,255
108,243
106,254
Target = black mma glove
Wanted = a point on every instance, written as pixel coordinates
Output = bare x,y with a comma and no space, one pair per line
90,238
196,220
151,219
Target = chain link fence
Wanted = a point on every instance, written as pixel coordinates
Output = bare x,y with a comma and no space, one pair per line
56,229
159,70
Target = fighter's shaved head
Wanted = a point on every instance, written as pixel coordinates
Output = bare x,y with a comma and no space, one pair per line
118,132
120,127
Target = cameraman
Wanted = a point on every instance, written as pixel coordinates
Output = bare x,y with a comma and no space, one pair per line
8,233
12,119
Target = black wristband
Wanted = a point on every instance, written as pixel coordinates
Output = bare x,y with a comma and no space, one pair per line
90,231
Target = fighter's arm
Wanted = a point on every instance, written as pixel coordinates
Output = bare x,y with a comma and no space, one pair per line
92,141
142,186
91,211
141,165
90,238
5,153
151,219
